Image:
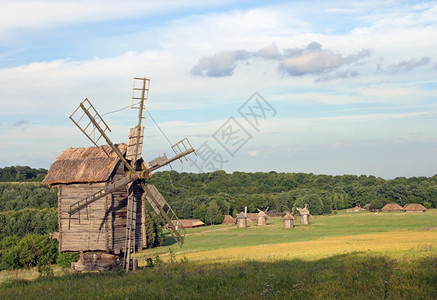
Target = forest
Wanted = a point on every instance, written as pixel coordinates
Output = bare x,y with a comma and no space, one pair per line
28,209
209,196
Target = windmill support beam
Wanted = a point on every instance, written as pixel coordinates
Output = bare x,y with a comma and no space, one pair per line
102,193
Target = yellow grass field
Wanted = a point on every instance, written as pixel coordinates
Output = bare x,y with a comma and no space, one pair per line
390,243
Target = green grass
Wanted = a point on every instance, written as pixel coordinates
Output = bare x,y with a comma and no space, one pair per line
351,276
345,256
345,224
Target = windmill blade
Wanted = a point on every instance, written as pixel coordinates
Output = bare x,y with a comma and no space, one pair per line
136,134
135,144
181,149
163,209
90,112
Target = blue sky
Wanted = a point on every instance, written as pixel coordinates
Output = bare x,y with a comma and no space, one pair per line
351,85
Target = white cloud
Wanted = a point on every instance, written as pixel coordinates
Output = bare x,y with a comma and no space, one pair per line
253,153
233,42
315,60
295,62
220,64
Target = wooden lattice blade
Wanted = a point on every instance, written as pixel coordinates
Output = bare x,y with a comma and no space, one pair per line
159,204
135,144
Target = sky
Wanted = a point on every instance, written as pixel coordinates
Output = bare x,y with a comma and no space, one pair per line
324,87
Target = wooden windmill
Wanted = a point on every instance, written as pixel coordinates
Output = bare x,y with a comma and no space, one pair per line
106,185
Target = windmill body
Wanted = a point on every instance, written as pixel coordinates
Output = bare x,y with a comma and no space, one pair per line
102,190
79,172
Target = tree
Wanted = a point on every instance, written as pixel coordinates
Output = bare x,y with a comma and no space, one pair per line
315,205
213,213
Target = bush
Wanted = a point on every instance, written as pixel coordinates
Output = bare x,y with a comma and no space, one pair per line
65,259
376,204
427,205
30,251
154,235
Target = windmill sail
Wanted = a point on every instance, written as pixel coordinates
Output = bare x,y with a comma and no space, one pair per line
135,144
164,210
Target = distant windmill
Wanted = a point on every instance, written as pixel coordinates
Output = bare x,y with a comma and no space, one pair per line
262,217
108,183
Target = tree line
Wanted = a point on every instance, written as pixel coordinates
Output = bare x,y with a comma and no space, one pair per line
21,174
209,196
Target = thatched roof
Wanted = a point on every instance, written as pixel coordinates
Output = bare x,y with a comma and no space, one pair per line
228,219
262,214
288,217
189,223
392,207
415,207
241,215
252,216
76,165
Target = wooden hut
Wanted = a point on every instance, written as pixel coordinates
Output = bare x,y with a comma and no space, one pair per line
304,215
261,218
229,220
101,226
288,221
241,220
392,207
188,223
414,207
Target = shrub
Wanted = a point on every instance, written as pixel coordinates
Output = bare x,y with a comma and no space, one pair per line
65,259
427,205
30,251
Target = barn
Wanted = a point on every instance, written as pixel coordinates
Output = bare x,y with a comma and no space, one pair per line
414,207
392,207
101,225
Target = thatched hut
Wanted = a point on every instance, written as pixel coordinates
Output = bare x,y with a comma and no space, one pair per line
252,217
101,226
357,208
261,218
392,207
241,220
188,223
288,221
229,220
304,215
414,207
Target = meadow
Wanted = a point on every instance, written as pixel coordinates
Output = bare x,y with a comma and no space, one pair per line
346,256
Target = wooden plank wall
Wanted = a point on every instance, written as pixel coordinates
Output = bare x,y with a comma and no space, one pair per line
87,231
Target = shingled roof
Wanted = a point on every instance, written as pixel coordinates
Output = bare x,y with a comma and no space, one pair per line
76,165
